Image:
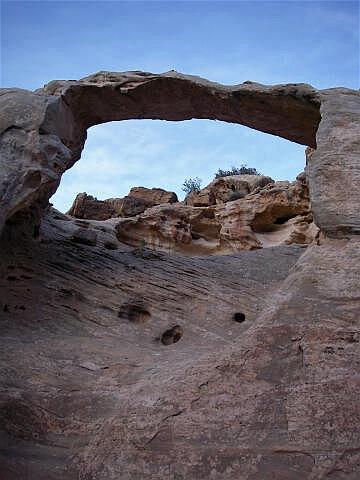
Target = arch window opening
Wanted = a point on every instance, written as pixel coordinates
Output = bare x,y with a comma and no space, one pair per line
157,153
220,215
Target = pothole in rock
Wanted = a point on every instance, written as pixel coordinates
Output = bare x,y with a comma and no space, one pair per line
109,245
172,335
239,317
134,312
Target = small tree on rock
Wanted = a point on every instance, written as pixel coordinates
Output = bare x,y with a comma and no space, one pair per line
192,185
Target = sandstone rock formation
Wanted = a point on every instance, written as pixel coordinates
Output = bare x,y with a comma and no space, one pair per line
226,189
89,390
153,196
88,207
137,201
240,212
278,213
43,132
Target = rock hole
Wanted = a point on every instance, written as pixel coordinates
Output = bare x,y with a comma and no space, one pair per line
172,335
239,317
135,313
195,236
110,245
282,220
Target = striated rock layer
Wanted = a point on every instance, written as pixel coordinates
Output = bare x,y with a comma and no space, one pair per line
126,363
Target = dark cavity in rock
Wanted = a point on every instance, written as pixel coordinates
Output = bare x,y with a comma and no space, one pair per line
172,335
134,312
239,317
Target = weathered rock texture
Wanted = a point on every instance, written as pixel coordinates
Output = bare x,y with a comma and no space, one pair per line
137,201
88,390
226,189
43,132
277,213
88,207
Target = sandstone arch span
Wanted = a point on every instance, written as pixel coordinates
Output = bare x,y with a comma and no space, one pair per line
43,132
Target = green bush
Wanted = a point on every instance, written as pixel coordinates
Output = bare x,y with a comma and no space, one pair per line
242,170
192,185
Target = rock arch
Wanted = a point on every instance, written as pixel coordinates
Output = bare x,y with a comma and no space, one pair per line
43,132
281,401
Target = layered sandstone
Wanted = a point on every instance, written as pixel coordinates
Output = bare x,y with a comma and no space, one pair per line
262,380
277,213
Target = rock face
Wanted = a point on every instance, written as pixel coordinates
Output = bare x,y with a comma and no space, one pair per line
88,207
137,201
120,363
267,213
153,196
278,213
334,185
226,189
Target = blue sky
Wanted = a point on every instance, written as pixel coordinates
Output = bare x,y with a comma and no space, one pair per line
316,42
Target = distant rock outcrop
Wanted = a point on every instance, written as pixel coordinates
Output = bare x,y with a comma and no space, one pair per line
225,189
137,201
241,212
265,214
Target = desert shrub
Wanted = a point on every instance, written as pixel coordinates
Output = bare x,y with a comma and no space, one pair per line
192,185
242,170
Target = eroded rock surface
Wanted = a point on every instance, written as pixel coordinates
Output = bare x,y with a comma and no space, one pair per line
45,130
226,189
88,207
93,384
137,201
81,334
274,214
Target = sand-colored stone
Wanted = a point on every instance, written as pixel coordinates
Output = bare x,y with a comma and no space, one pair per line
277,213
137,201
226,189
